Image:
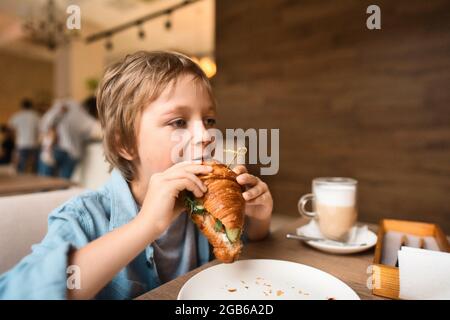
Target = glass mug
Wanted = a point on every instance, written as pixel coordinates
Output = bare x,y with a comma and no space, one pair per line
334,206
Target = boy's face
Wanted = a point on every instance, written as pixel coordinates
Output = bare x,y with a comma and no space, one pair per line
184,105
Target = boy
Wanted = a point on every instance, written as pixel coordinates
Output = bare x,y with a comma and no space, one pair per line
132,234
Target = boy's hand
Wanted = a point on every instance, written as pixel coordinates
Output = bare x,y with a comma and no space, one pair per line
258,200
160,205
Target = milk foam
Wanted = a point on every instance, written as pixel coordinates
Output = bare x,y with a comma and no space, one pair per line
335,195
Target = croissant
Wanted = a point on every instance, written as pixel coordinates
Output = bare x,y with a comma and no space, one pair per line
219,214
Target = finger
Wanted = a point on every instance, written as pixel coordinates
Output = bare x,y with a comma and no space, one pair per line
253,202
197,181
254,192
198,169
186,163
188,184
189,167
247,179
240,169
261,200
182,164
190,176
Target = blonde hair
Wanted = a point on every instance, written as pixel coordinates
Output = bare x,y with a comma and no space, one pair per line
126,88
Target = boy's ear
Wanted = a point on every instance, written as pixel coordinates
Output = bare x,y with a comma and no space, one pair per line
125,154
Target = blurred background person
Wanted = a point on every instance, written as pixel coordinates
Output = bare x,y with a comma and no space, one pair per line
6,145
25,125
90,105
66,127
49,139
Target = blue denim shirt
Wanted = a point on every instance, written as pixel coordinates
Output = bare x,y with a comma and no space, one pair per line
43,274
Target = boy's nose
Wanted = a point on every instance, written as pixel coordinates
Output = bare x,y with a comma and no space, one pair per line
201,138
201,134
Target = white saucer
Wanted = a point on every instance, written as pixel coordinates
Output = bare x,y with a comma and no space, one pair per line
364,237
263,279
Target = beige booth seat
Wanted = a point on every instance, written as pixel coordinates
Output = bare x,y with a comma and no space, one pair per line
23,222
92,171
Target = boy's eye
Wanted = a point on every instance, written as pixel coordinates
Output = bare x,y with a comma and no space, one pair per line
210,122
179,123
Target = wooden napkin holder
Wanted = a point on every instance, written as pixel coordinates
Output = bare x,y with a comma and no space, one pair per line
385,279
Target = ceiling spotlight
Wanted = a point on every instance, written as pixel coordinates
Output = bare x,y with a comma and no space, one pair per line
141,33
109,45
168,23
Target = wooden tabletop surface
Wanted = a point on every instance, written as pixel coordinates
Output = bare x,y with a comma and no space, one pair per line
352,269
27,183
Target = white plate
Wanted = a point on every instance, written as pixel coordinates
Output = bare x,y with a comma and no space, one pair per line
266,280
368,238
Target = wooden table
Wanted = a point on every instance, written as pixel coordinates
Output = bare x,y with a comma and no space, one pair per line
27,183
352,269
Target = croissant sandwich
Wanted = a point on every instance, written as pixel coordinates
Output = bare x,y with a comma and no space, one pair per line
219,214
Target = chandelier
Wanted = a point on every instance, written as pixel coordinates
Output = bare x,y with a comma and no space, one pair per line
48,27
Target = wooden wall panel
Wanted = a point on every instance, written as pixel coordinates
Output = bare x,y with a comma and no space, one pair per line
373,105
